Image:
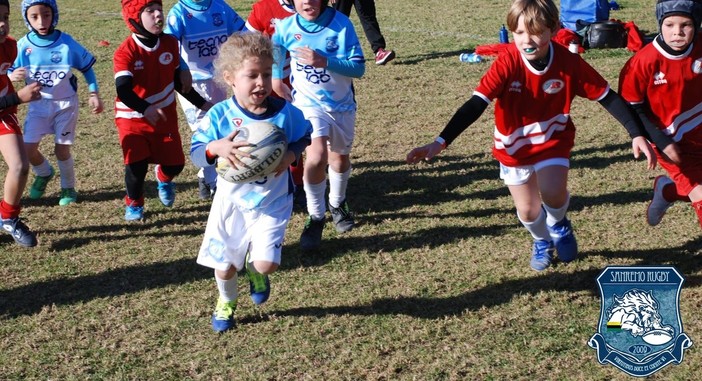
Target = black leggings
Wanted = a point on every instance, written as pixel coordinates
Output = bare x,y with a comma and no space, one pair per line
135,174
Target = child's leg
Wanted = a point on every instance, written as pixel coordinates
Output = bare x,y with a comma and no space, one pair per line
339,173
12,150
315,176
529,211
553,186
65,165
227,284
134,176
40,165
696,202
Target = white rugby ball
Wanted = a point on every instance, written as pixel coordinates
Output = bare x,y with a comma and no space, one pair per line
268,146
657,337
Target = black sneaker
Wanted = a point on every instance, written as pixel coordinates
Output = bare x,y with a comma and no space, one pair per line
19,231
311,237
343,220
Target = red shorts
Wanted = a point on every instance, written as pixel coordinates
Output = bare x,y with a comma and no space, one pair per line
10,125
158,148
688,174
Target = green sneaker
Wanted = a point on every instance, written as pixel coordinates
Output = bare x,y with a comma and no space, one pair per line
223,317
259,285
68,196
39,185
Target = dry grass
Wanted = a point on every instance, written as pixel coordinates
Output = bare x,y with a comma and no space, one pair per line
434,284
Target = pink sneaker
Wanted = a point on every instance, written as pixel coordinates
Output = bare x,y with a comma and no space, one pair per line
383,56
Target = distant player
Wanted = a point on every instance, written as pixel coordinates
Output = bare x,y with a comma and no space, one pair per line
47,56
663,82
201,26
534,83
147,73
247,222
11,145
325,58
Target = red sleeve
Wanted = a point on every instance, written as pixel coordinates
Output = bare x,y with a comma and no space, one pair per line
591,83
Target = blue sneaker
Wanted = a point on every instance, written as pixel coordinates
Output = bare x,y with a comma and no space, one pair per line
19,232
166,191
134,213
259,284
564,239
541,255
223,316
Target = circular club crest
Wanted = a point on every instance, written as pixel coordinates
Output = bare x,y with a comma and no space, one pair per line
552,86
165,58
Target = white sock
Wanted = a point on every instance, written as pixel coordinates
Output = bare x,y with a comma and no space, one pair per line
537,228
554,216
43,169
337,186
68,173
227,288
315,199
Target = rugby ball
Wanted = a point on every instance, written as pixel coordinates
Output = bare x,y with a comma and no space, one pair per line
268,145
657,337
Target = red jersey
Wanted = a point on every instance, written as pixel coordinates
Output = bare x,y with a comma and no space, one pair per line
532,111
264,16
8,53
152,71
669,86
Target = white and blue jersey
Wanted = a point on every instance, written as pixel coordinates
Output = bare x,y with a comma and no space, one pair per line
227,116
319,87
51,64
200,31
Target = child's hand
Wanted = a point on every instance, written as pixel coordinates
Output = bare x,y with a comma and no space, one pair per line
30,92
672,152
282,90
228,148
18,75
95,103
638,145
307,56
288,159
426,152
154,115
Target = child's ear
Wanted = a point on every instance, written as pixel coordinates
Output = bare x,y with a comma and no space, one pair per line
228,77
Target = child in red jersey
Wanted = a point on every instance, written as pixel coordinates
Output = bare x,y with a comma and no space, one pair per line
147,74
662,81
11,144
534,82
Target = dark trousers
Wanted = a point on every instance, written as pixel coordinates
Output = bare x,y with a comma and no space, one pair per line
366,14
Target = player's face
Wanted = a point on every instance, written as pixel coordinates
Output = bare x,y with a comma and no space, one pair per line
677,32
4,22
252,83
532,46
308,9
152,18
40,17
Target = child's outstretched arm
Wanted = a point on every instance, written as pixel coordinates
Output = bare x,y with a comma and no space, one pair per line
26,94
190,94
94,100
620,110
464,117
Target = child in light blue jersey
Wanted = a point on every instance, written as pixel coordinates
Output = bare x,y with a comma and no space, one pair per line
247,222
325,57
47,55
201,26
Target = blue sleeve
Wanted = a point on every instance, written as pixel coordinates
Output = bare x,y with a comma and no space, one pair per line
353,69
235,22
91,79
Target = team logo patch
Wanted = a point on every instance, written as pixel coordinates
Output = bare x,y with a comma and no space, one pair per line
332,44
217,19
56,56
515,87
165,58
697,66
237,121
659,78
298,36
27,51
139,65
640,330
552,86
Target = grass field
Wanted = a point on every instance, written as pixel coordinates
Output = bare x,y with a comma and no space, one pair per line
433,284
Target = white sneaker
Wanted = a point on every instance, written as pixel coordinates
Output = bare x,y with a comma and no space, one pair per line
658,206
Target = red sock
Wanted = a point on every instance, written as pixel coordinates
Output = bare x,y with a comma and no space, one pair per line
162,177
697,206
670,194
130,201
8,211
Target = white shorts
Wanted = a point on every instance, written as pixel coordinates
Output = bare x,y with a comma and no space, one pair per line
52,116
231,232
339,127
209,90
521,174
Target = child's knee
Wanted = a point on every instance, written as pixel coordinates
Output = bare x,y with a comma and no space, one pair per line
265,267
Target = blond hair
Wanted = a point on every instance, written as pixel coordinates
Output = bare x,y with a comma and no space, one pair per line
539,16
238,48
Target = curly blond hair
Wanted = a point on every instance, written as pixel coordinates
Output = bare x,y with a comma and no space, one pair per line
237,48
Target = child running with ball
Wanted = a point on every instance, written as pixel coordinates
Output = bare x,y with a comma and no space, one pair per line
534,83
247,222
